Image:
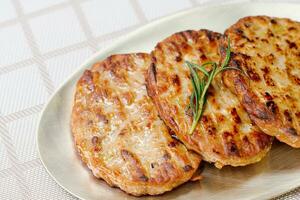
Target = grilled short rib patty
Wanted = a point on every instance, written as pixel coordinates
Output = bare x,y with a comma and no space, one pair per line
268,50
118,133
225,135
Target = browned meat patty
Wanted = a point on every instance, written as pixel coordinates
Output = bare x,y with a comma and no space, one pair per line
118,133
225,135
268,50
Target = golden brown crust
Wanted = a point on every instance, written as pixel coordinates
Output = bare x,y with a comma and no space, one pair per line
225,135
118,133
267,49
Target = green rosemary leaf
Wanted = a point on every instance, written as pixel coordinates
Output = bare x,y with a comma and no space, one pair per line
192,105
227,58
199,67
195,80
194,97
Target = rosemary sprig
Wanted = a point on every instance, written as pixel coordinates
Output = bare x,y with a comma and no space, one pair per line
200,85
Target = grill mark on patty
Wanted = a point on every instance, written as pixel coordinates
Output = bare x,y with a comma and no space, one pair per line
187,168
235,116
266,74
291,131
178,58
268,96
248,100
135,166
153,70
262,140
176,81
230,144
173,143
95,140
209,127
271,105
288,116
253,74
248,147
292,45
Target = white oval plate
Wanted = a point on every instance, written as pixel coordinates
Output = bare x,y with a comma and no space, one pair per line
276,174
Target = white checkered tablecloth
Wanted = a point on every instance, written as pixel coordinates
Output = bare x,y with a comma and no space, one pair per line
41,43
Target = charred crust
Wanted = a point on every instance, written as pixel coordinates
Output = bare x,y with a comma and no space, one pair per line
249,101
159,46
102,118
264,40
270,33
176,80
143,178
297,80
288,115
209,126
178,59
273,21
134,165
292,29
291,131
153,165
173,143
268,97
95,140
262,114
123,132
253,75
235,116
153,71
211,130
246,140
166,156
216,151
87,79
126,154
185,35
210,36
291,44
173,135
232,149
203,57
262,140
187,168
271,105
238,31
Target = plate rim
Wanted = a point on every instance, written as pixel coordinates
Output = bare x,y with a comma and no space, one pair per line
123,39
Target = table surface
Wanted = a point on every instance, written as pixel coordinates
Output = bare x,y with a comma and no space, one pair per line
42,42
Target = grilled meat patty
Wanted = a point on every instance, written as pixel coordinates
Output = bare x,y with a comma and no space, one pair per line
118,133
268,51
225,135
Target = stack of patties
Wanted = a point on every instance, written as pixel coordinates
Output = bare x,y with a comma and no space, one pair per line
151,144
